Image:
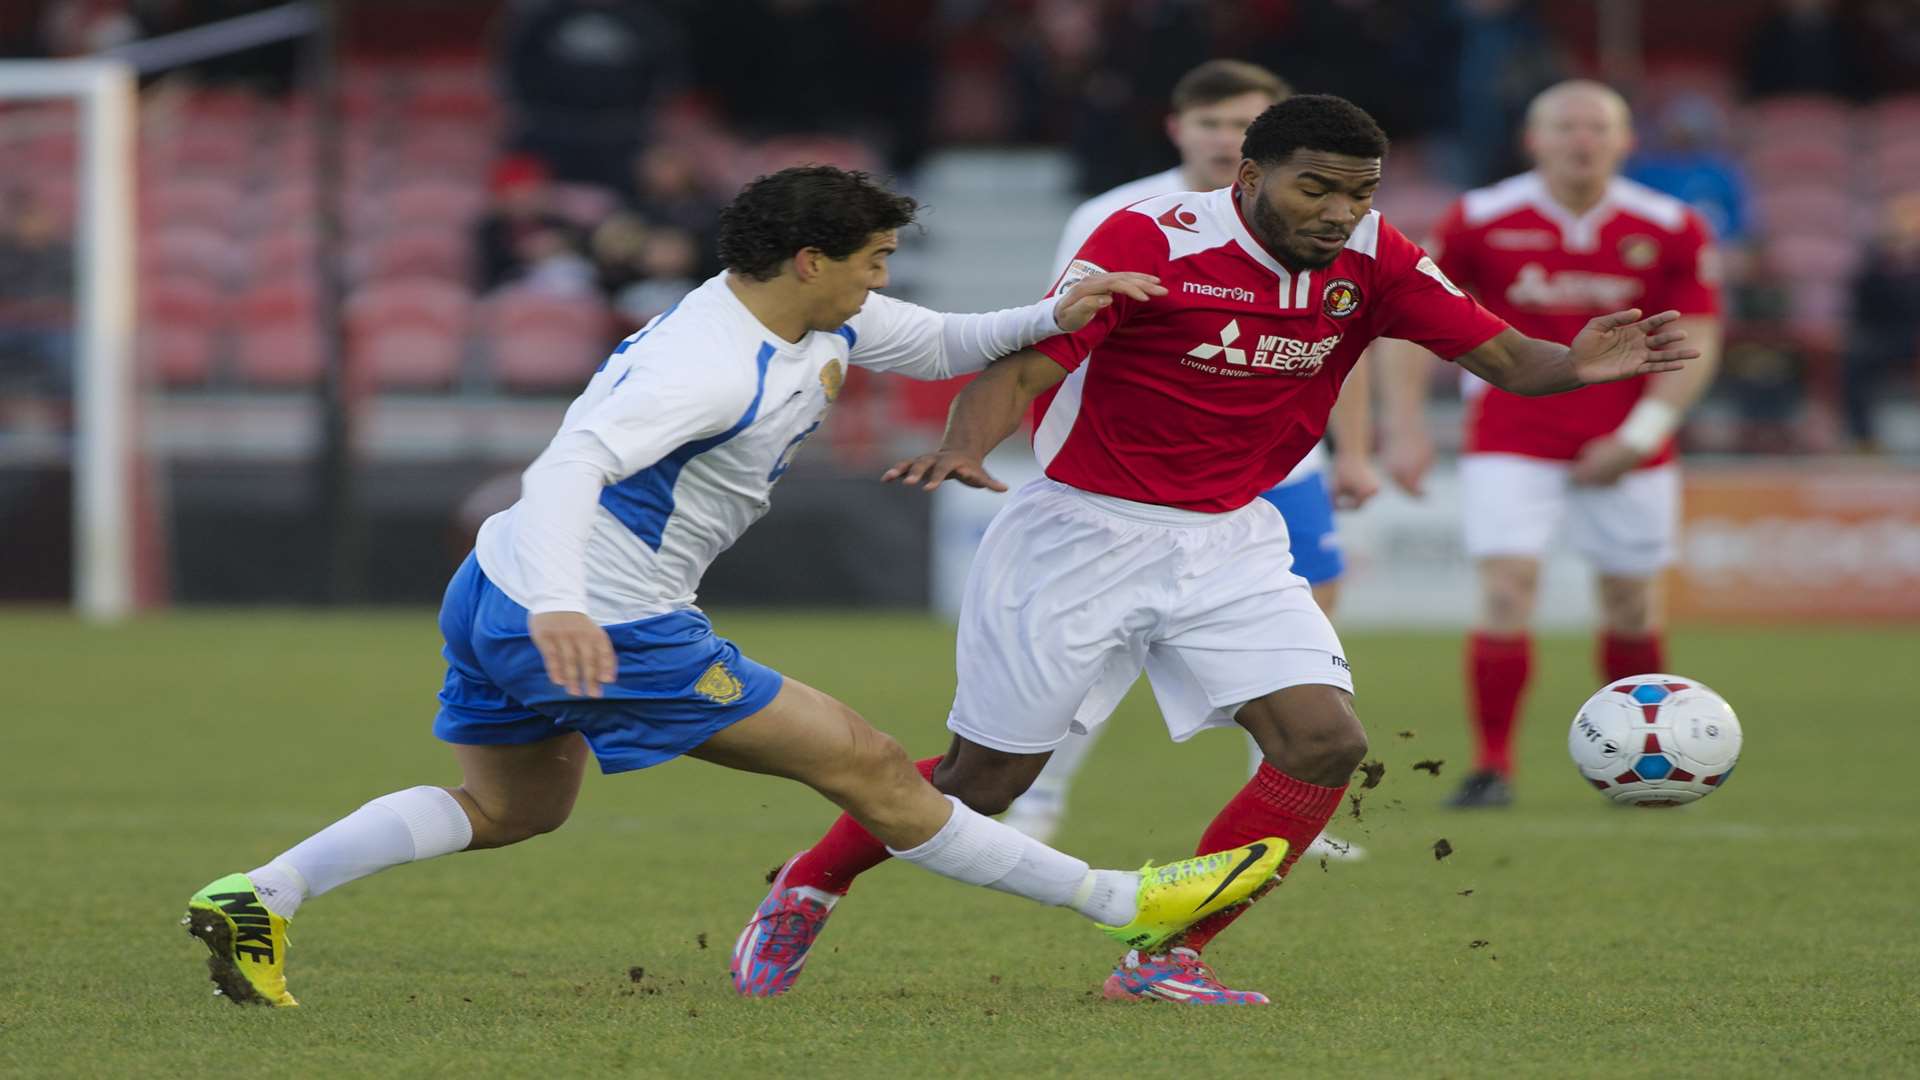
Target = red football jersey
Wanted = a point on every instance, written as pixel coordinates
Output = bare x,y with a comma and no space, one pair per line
1547,272
1205,397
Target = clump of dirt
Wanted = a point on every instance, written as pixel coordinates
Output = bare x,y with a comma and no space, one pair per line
1407,734
773,873
1441,849
700,939
1374,770
636,973
1478,943
1355,800
1431,765
1464,892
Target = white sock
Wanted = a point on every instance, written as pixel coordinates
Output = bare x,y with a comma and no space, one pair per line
406,826
1255,758
978,850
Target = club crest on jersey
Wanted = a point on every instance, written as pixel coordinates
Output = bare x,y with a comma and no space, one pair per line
1639,251
1340,298
719,685
831,379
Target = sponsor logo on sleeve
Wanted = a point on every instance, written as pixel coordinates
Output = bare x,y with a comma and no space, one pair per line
1078,271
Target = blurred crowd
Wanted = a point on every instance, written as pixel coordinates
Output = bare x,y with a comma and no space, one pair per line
582,157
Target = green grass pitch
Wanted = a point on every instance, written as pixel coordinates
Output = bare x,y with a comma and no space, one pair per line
1772,930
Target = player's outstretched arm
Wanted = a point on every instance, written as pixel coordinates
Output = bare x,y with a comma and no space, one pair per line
1611,347
984,414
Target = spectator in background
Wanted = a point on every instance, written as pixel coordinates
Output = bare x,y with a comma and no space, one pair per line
666,265
668,188
36,296
79,27
1805,47
584,77
1506,58
1688,159
521,239
1885,334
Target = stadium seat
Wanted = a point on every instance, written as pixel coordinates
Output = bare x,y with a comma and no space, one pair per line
188,251
437,251
282,355
511,311
1797,112
1818,257
179,329
201,203
177,356
1798,156
546,360
440,202
1806,208
408,333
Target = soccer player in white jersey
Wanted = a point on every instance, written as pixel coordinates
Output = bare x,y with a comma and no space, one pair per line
572,627
1147,547
1212,106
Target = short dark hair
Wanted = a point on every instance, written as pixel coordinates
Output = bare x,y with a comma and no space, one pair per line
808,206
1217,80
1331,125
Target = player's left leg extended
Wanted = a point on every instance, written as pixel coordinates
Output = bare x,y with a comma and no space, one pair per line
507,794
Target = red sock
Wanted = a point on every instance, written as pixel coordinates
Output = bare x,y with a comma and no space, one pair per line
1622,655
1272,804
1497,669
845,852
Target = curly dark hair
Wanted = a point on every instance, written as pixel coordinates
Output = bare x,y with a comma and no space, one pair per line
1331,125
808,206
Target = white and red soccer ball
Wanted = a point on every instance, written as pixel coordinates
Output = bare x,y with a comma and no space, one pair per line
1655,740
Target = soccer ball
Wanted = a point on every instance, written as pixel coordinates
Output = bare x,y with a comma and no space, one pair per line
1655,740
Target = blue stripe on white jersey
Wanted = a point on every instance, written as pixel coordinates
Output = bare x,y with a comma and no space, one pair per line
643,502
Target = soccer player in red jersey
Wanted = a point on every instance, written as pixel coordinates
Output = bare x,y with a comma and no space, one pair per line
1146,545
1548,250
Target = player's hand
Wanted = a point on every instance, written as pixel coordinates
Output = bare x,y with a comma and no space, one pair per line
577,652
928,470
1096,291
1407,454
1355,480
1622,345
1604,461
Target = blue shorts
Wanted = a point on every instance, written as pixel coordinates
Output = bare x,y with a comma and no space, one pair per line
1308,510
678,683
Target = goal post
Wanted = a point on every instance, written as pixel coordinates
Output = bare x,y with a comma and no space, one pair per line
104,439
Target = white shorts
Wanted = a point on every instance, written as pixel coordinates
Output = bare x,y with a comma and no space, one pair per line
1072,595
1514,503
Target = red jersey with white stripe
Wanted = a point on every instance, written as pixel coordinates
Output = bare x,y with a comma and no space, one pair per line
1205,397
1547,271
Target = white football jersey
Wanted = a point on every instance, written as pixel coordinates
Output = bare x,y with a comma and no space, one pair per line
1087,217
703,410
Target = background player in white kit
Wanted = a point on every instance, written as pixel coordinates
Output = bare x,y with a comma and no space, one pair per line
572,626
1547,250
1212,106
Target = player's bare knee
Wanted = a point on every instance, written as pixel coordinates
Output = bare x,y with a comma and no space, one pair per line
1628,606
986,786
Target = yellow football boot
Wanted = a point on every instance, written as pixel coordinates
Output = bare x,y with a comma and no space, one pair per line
248,942
1179,894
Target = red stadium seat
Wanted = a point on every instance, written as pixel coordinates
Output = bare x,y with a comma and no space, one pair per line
447,203
1798,112
285,251
177,356
512,311
429,250
1806,208
179,329
277,339
546,360
408,333
203,203
188,252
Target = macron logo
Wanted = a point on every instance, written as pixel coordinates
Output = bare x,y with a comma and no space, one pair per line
1219,292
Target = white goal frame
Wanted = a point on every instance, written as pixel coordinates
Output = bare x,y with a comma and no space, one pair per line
105,449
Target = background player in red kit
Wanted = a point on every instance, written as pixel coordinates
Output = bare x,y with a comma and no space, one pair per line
1548,250
1146,545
